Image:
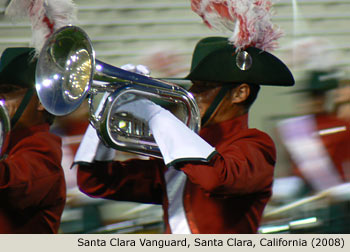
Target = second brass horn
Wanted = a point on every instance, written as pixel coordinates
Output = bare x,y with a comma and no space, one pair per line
67,72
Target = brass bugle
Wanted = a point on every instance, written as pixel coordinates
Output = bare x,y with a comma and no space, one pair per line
67,72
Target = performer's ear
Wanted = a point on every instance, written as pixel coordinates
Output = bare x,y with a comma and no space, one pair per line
240,93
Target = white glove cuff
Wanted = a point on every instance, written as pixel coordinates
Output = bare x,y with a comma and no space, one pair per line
176,141
91,148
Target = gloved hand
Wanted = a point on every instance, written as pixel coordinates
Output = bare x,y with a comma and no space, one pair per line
142,109
174,139
140,69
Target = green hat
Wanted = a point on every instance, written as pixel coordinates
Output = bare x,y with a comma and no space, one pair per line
215,59
320,81
17,66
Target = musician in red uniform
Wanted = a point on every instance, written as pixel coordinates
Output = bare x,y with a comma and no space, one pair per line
217,181
342,110
324,157
32,185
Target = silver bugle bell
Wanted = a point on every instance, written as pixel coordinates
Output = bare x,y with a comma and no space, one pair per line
67,72
5,124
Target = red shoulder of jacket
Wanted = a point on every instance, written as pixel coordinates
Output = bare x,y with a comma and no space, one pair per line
37,138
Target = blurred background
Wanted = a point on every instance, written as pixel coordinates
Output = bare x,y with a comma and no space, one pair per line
161,34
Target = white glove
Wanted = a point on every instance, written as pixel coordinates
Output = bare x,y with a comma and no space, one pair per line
140,69
175,140
91,148
142,109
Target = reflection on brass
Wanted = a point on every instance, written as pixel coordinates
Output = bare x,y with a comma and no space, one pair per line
78,65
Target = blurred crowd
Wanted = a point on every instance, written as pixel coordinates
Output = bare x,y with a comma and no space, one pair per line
316,142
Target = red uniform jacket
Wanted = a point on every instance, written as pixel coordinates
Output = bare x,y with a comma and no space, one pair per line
335,135
32,186
226,195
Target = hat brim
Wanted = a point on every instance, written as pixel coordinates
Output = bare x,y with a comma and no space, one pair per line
216,60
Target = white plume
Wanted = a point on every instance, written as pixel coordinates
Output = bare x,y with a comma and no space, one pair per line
46,16
248,20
